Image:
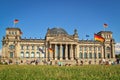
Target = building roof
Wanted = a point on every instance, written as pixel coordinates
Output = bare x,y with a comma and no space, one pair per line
57,31
13,28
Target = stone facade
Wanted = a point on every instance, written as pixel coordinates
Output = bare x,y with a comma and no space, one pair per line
65,47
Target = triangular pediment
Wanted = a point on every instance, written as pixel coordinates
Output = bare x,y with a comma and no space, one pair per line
62,39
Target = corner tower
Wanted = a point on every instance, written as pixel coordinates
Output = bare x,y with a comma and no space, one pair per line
109,44
9,42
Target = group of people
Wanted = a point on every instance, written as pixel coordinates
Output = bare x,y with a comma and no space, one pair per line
60,63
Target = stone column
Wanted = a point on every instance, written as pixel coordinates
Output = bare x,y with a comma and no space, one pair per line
55,52
97,53
46,50
77,51
93,52
50,54
113,51
61,52
71,52
66,52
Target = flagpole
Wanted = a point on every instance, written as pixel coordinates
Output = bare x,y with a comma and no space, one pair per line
105,26
15,22
13,25
104,29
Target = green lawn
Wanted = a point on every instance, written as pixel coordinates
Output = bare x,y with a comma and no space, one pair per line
33,72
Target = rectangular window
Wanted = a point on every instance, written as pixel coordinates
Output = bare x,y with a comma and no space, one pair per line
37,47
90,48
11,54
32,47
95,55
81,55
27,47
99,55
22,47
85,55
99,48
85,48
80,48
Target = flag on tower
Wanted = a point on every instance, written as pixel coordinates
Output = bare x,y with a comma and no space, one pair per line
98,38
105,25
16,21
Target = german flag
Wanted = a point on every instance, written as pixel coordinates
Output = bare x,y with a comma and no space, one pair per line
50,50
105,25
98,38
16,21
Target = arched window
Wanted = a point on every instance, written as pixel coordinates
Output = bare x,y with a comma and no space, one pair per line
32,54
22,54
99,55
11,47
85,55
27,54
90,55
95,48
38,54
22,47
108,48
81,55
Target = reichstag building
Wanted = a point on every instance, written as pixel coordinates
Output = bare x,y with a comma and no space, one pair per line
64,47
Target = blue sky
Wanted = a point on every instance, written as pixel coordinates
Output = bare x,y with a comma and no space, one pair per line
35,16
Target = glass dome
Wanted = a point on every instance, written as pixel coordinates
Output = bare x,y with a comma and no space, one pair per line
57,31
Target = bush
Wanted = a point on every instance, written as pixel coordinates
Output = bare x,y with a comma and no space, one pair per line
1,62
6,63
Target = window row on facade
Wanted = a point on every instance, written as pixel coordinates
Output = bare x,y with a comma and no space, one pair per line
13,32
31,55
32,47
92,55
81,48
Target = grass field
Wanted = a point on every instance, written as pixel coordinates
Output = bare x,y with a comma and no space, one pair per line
33,72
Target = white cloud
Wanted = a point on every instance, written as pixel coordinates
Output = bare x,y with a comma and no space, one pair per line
117,48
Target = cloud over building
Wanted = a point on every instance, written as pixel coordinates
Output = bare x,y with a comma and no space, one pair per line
117,48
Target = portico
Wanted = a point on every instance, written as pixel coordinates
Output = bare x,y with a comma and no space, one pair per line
62,51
